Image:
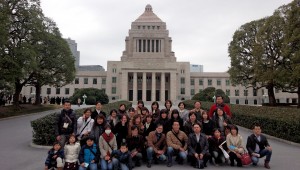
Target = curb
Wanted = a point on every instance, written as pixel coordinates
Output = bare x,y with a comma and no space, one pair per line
39,146
273,137
12,117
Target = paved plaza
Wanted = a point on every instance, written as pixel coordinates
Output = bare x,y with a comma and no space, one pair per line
16,152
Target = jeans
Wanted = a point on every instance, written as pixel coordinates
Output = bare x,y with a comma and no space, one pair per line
109,166
264,152
218,156
150,153
124,166
92,166
170,153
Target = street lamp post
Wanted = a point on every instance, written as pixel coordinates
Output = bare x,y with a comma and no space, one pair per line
214,98
84,97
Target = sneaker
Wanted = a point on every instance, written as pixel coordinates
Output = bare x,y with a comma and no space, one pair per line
169,164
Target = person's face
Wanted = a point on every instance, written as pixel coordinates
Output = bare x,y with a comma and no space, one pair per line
175,116
181,106
220,112
89,142
56,147
233,131
67,106
193,117
168,105
99,106
217,134
123,149
164,115
219,100
197,129
159,129
113,114
154,107
257,130
149,119
137,120
176,126
144,112
140,104
72,139
197,105
87,114
122,107
100,121
124,119
131,113
204,116
135,132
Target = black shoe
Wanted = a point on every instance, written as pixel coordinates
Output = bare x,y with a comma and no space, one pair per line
201,166
169,164
180,162
149,164
155,161
137,163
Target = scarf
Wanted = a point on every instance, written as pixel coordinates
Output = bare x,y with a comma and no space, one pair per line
106,137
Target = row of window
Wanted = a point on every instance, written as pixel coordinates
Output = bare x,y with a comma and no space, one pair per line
209,82
149,27
67,91
95,80
148,45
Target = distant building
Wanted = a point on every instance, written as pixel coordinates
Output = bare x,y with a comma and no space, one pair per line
73,47
148,71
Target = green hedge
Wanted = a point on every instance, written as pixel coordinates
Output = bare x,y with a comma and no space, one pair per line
43,128
276,121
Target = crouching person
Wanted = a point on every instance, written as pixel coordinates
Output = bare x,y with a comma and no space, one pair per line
258,146
177,144
89,155
136,145
198,148
123,156
156,145
55,157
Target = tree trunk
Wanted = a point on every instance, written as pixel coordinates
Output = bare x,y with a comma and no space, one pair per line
38,94
298,92
272,100
18,89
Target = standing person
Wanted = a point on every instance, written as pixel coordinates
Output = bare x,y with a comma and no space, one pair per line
136,121
188,125
131,113
98,110
84,126
78,102
207,124
55,157
89,155
140,105
66,124
136,145
234,143
144,113
163,120
98,127
155,110
175,117
121,129
168,106
183,113
222,121
177,142
214,147
71,151
197,109
258,146
198,148
156,145
121,111
219,103
113,119
149,126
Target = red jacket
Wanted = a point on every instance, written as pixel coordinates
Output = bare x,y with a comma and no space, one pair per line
214,107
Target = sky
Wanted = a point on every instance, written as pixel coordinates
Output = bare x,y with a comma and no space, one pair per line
200,29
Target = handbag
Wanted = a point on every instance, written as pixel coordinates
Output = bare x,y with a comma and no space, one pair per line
246,158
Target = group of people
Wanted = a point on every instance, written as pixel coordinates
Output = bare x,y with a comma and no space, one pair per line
124,138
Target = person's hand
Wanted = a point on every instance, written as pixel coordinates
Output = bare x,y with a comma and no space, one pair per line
201,156
142,127
181,149
269,148
196,155
133,153
224,123
106,157
82,164
93,161
46,167
54,157
83,117
160,152
58,138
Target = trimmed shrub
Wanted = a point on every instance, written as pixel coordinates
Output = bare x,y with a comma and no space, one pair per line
43,128
276,121
93,95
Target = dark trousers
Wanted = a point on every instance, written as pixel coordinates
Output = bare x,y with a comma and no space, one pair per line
232,157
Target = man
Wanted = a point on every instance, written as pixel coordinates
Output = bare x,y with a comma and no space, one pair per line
177,144
98,111
258,146
197,109
219,103
198,148
156,145
66,124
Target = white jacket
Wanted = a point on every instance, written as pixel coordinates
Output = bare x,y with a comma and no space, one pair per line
72,152
81,124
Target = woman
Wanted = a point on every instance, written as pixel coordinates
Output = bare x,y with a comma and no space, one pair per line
131,113
155,110
175,117
121,130
149,126
113,119
137,121
121,111
84,126
188,125
183,113
144,113
168,105
163,120
235,145
140,105
214,147
107,144
207,124
135,145
222,121
98,128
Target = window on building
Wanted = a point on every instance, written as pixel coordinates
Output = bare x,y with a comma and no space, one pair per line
48,90
201,82
104,90
148,27
182,90
130,78
144,27
246,101
114,70
103,80
153,27
167,79
287,100
67,90
254,92
158,27
209,82
227,92
192,91
182,71
144,45
218,82
262,91
255,101
245,92
86,81
57,90
237,101
192,82
94,80
237,92
182,80
114,80
227,82
113,90
76,80
139,27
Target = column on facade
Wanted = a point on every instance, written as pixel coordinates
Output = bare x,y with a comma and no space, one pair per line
162,87
153,87
173,86
124,94
134,86
144,86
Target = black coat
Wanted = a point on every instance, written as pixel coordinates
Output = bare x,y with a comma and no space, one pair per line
252,140
151,128
95,113
192,144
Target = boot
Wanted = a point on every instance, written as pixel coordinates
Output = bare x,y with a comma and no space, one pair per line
267,165
137,163
149,164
